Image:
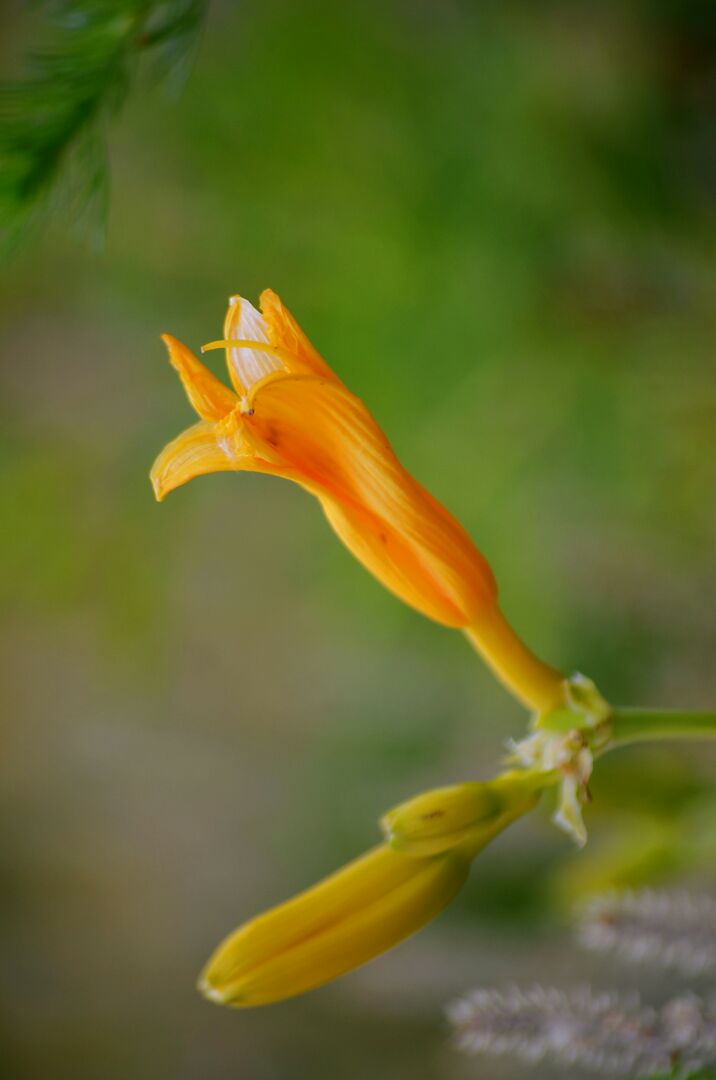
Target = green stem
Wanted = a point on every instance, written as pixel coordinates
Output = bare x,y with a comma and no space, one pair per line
641,725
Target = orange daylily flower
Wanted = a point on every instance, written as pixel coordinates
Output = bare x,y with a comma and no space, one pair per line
289,415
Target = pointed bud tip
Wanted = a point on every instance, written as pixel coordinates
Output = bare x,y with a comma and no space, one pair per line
211,993
157,487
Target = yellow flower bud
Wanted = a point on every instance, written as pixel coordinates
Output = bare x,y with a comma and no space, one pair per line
348,918
372,903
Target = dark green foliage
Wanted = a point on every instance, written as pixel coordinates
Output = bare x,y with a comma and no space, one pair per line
53,119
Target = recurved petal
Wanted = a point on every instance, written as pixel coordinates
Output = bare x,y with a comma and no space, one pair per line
362,910
284,332
211,399
390,523
195,452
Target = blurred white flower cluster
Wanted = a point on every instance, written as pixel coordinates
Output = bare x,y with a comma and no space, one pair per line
609,1032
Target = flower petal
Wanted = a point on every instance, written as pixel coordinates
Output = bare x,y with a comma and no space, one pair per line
329,440
247,366
211,399
193,453
285,333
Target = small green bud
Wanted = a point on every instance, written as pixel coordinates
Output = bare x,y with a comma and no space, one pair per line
584,708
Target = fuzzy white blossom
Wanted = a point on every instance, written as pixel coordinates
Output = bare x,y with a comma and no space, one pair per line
675,930
605,1032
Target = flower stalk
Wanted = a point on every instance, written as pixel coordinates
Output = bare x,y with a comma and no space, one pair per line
644,725
535,684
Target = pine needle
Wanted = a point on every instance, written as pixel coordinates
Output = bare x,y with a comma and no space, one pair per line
53,119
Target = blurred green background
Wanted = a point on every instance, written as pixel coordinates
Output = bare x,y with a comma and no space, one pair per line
498,223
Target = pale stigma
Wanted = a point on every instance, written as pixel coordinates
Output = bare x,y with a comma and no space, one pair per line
243,321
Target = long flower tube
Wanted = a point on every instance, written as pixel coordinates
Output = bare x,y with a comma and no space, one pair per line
289,415
372,903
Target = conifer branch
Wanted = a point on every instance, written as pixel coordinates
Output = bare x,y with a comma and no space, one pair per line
53,119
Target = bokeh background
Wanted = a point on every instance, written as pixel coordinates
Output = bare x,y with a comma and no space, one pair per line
498,222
